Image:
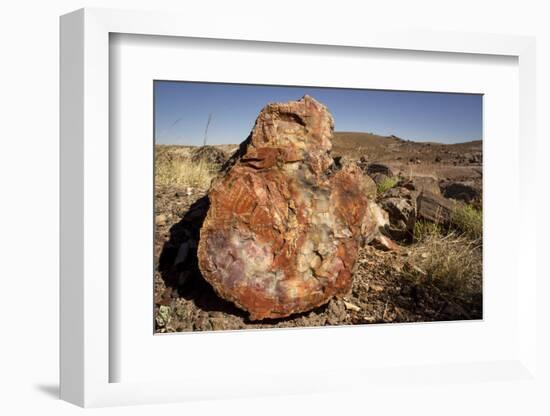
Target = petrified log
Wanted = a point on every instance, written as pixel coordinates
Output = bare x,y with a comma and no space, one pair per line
374,168
283,229
435,208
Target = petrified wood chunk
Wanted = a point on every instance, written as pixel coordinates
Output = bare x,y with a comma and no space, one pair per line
283,229
435,208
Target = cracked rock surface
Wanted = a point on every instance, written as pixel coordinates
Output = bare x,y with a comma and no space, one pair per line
284,224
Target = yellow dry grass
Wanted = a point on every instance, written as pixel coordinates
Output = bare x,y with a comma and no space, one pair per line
451,262
179,170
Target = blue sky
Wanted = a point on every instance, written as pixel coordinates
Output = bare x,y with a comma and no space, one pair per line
182,109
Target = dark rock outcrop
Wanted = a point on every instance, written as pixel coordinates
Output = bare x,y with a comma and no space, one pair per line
402,215
375,168
461,191
435,208
420,184
209,154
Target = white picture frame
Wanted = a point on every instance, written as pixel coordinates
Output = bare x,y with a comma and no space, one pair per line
85,353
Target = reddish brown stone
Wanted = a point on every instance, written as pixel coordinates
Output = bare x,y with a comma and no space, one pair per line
283,228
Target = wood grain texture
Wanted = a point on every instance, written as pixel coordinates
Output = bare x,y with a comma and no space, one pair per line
284,225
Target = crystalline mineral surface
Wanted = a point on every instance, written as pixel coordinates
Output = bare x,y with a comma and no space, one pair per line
284,226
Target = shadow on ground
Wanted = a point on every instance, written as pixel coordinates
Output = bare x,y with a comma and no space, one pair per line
51,390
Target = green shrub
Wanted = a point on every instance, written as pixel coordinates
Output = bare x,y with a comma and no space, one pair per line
386,184
468,220
424,229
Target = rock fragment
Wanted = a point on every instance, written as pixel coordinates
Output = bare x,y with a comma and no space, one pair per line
381,242
380,168
462,191
208,154
435,208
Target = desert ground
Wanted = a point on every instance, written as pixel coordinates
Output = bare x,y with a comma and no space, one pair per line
426,269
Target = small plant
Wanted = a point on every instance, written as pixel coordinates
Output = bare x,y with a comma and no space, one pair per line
385,184
451,263
425,229
182,171
468,220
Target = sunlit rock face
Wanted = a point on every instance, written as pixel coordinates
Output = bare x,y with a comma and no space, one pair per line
284,225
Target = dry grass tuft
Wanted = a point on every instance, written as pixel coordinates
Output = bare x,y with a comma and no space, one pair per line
426,229
452,263
178,169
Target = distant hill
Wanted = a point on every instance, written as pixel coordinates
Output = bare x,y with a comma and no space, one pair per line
345,142
385,148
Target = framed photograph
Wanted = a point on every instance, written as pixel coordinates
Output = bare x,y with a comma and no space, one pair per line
288,211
